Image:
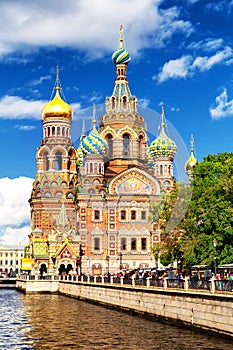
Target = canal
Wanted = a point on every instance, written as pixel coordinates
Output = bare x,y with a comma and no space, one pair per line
45,321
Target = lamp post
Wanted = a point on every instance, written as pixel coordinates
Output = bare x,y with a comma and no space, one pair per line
215,245
120,256
107,258
156,259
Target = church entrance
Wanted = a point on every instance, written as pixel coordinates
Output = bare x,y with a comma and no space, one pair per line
65,268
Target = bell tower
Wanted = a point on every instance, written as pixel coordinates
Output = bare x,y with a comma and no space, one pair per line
53,187
121,126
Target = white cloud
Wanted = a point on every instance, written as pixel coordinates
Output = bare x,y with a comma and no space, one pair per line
223,107
208,45
15,236
206,63
15,107
175,69
186,66
14,209
225,6
14,196
86,25
144,102
25,127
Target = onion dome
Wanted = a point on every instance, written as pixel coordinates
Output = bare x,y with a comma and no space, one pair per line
80,156
191,162
57,107
121,56
93,143
163,146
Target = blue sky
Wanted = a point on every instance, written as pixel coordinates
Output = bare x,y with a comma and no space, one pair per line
181,58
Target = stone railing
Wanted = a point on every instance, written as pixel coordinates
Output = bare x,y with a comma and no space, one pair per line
187,284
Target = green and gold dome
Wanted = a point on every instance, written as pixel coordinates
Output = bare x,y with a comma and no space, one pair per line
93,143
121,56
163,146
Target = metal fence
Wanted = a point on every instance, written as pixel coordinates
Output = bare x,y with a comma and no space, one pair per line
187,284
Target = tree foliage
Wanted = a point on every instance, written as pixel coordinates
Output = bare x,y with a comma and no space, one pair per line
190,218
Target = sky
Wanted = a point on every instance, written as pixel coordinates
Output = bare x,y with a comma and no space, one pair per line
181,58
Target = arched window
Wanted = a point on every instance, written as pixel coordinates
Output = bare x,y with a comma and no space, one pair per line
126,143
161,170
124,102
46,161
140,147
113,102
110,145
58,161
53,130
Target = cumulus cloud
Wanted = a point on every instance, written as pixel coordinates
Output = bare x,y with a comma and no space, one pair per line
15,236
223,107
15,107
83,24
186,65
175,69
14,209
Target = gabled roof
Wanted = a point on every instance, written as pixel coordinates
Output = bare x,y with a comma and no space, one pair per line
63,246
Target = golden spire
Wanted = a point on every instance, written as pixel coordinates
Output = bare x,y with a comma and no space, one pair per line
191,162
57,82
163,118
121,36
83,130
192,145
94,116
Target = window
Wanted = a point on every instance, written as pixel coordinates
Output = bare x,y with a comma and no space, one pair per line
96,214
140,146
58,161
126,140
133,215
96,244
123,243
46,161
133,244
110,145
143,215
143,243
123,214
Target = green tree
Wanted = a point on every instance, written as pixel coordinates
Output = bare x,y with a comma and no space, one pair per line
210,214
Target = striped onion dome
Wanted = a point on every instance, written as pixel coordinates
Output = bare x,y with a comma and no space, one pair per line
163,146
121,56
93,143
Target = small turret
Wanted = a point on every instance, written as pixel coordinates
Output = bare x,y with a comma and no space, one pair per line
192,161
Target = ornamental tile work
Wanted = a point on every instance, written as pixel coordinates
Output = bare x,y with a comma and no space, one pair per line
90,206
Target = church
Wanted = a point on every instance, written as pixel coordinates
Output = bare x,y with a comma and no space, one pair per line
91,205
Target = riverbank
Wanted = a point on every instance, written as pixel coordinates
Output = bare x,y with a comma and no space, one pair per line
190,308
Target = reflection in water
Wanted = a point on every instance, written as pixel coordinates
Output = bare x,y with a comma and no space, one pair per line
55,322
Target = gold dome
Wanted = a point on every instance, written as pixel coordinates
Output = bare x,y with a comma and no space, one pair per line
57,108
191,162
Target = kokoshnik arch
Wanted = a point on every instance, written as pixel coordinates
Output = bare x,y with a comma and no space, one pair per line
95,200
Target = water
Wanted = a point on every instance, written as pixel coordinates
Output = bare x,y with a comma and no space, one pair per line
37,322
